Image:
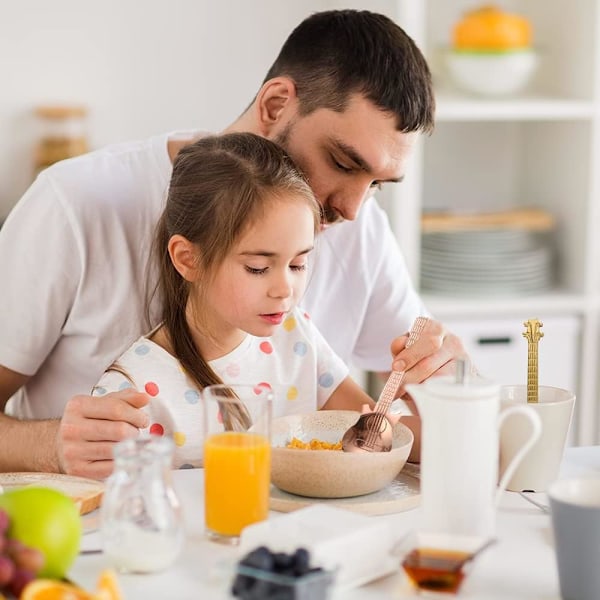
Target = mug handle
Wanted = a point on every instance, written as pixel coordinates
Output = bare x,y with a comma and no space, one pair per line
536,430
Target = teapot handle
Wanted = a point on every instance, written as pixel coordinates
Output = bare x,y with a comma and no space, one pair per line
536,430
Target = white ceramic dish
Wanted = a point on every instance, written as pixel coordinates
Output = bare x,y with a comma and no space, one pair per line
492,74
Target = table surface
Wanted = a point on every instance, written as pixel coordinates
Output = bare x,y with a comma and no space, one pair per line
520,566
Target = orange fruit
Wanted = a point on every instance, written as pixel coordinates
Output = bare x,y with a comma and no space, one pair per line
490,29
51,589
107,588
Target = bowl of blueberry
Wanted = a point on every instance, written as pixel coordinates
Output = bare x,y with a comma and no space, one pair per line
265,575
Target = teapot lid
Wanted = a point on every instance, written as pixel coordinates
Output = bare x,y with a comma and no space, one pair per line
472,387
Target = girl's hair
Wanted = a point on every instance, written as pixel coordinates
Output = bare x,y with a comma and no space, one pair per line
334,54
220,187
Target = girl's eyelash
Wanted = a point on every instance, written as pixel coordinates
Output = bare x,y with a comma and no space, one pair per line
255,271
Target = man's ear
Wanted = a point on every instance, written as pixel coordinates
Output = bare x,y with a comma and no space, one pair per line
184,256
275,100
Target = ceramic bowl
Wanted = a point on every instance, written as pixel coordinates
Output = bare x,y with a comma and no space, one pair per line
492,73
332,473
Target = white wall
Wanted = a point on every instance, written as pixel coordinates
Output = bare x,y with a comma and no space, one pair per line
141,66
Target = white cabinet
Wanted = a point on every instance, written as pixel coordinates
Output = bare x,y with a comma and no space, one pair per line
541,148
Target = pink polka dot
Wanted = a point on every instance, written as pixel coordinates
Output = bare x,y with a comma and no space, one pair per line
233,370
151,388
306,315
266,347
220,417
157,429
259,388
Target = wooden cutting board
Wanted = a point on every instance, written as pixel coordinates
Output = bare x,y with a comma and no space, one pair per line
403,493
87,493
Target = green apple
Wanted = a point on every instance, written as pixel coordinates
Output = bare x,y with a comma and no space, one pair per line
48,520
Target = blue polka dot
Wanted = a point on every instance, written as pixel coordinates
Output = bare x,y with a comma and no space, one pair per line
192,396
142,349
326,380
300,348
99,391
125,385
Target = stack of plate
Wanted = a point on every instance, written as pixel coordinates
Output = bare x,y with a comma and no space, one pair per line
487,262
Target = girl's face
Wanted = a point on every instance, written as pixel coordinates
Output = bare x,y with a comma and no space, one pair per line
264,275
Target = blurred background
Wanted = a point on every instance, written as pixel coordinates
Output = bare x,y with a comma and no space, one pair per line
497,217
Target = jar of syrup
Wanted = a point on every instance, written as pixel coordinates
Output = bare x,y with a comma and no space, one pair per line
62,134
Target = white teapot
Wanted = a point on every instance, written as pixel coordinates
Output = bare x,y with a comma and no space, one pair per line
460,454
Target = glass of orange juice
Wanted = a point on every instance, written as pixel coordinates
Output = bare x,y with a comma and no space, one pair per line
237,458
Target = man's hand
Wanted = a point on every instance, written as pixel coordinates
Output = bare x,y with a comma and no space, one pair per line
432,354
90,426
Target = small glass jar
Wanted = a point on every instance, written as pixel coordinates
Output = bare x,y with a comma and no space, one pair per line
141,520
62,134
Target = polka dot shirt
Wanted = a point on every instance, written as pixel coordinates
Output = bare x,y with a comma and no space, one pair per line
295,362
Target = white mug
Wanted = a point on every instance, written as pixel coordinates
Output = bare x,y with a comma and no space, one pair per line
459,454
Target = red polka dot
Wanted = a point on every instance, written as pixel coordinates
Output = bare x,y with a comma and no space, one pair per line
157,429
266,347
151,388
259,388
306,315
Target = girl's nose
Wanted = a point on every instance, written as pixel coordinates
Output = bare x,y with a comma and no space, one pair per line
281,288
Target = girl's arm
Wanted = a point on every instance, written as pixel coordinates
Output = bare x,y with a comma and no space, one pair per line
348,396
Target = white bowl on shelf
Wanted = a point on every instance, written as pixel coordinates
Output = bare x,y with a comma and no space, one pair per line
492,73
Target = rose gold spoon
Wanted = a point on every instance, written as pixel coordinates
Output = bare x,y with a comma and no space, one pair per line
373,432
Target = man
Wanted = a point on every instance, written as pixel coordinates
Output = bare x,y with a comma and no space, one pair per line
346,97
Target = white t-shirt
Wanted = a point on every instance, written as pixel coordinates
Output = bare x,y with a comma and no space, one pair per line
73,267
295,362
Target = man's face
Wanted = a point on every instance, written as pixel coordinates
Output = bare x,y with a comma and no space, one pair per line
346,156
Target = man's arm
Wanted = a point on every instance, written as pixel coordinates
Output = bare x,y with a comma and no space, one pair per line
24,445
80,443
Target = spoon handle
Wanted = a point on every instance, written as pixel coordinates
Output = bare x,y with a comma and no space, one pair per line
391,386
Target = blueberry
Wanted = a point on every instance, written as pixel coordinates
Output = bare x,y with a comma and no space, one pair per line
260,558
301,561
283,561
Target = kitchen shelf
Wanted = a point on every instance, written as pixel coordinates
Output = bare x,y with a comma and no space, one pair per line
540,148
528,306
454,107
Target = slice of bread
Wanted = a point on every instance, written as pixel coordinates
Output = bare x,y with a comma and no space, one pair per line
86,493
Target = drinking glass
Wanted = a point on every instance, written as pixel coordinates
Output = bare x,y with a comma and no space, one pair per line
237,458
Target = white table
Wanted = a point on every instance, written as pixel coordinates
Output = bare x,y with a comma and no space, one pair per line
521,566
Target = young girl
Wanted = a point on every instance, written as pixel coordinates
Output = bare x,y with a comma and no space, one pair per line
232,247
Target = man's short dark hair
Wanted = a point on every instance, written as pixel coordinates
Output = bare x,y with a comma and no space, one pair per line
334,54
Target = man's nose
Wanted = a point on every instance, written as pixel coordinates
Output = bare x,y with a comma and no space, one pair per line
348,202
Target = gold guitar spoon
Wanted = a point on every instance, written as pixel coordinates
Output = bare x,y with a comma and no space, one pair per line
373,432
533,334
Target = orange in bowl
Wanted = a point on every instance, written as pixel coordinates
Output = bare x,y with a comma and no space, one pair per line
489,28
492,52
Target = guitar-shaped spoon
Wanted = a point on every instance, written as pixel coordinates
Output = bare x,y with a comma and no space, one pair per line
533,334
373,432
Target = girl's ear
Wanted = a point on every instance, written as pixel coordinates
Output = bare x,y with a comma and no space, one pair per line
184,256
275,103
